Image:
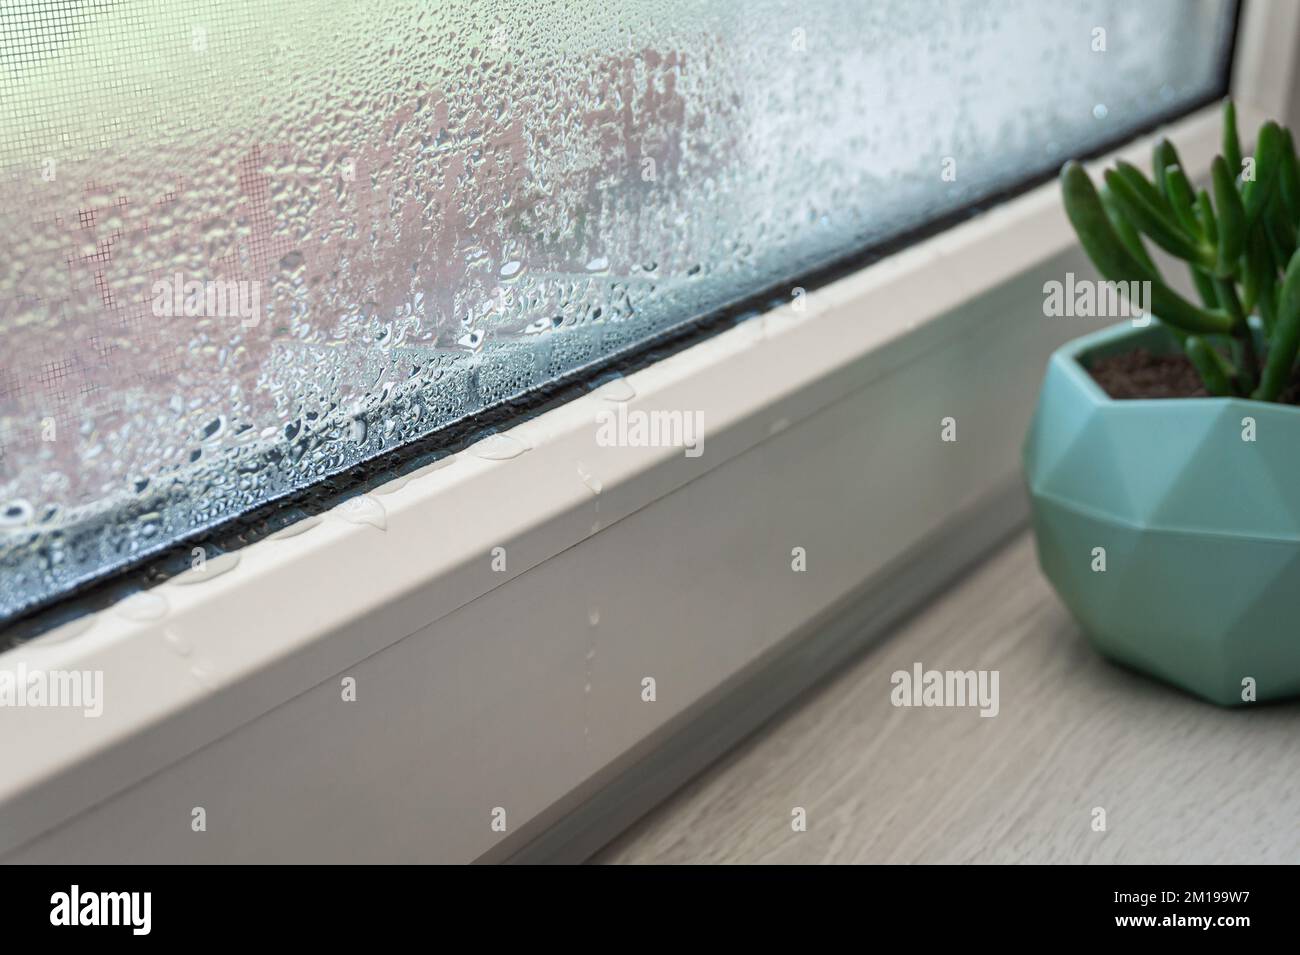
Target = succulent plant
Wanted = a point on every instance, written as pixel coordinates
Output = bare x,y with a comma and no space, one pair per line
1238,238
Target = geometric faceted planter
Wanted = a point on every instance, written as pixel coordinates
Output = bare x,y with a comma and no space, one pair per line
1196,525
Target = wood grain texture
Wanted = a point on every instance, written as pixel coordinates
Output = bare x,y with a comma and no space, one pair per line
1181,781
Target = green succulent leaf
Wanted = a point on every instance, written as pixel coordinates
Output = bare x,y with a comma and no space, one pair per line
1286,336
1209,221
1142,186
1130,236
1232,219
1281,227
1181,198
1153,220
1163,156
1240,240
1261,278
1289,177
1267,306
1268,164
1204,286
1084,208
1091,222
1275,242
1231,142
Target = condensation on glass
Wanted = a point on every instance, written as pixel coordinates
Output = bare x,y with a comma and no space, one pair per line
246,245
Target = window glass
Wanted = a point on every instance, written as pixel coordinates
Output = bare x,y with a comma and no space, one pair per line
247,245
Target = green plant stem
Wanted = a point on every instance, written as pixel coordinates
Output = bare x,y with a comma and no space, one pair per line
1211,366
1242,336
1260,280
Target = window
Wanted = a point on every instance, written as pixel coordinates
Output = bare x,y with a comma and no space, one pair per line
247,247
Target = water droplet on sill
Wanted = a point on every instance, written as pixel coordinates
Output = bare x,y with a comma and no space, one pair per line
69,630
499,447
293,530
617,389
593,483
213,567
438,465
392,487
202,674
363,509
142,607
176,643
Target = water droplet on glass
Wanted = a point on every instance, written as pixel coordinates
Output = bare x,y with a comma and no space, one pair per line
15,513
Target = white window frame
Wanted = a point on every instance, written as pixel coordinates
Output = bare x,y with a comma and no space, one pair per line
475,686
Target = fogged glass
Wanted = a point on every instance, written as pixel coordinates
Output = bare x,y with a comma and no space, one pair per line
247,244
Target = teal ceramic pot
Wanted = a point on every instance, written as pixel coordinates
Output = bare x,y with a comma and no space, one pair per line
1199,525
